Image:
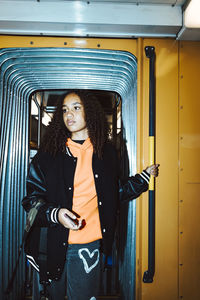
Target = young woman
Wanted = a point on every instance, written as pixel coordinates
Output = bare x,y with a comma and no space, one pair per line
75,178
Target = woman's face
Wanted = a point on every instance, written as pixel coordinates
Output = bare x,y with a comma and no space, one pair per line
74,117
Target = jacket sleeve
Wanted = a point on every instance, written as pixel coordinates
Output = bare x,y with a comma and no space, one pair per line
134,186
36,190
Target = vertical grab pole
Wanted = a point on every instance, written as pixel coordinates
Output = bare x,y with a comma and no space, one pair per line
148,275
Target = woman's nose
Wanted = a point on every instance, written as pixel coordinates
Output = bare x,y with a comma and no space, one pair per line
69,114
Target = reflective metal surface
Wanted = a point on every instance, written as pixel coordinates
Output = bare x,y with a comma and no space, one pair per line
26,70
125,19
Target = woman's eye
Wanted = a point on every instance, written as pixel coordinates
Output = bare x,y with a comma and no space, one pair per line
77,107
64,111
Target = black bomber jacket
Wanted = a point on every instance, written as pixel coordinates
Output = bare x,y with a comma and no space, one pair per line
51,179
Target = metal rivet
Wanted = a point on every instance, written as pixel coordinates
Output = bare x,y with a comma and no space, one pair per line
96,175
98,45
65,43
70,188
64,244
100,203
58,269
31,43
104,230
48,272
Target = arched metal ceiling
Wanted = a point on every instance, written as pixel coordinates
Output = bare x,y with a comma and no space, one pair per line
46,68
26,70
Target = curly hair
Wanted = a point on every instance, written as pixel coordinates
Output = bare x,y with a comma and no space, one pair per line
55,138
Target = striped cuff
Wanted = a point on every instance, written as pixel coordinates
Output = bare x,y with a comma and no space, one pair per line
33,262
54,215
145,176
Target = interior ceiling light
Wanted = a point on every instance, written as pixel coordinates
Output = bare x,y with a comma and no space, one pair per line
192,14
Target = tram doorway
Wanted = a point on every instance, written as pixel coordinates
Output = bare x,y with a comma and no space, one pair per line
28,73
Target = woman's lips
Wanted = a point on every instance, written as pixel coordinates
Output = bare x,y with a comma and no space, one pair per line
70,123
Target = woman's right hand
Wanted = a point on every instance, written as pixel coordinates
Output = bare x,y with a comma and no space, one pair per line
68,219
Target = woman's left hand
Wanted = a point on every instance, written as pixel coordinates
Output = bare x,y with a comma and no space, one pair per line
153,170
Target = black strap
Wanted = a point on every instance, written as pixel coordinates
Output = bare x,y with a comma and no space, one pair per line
42,261
42,258
29,223
11,281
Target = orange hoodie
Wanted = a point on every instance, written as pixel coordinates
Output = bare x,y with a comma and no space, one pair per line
85,196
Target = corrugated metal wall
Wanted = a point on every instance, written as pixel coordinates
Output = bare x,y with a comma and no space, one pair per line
25,70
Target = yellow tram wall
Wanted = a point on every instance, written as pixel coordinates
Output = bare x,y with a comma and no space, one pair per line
177,150
178,186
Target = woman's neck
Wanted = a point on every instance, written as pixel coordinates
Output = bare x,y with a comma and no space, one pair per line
79,136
